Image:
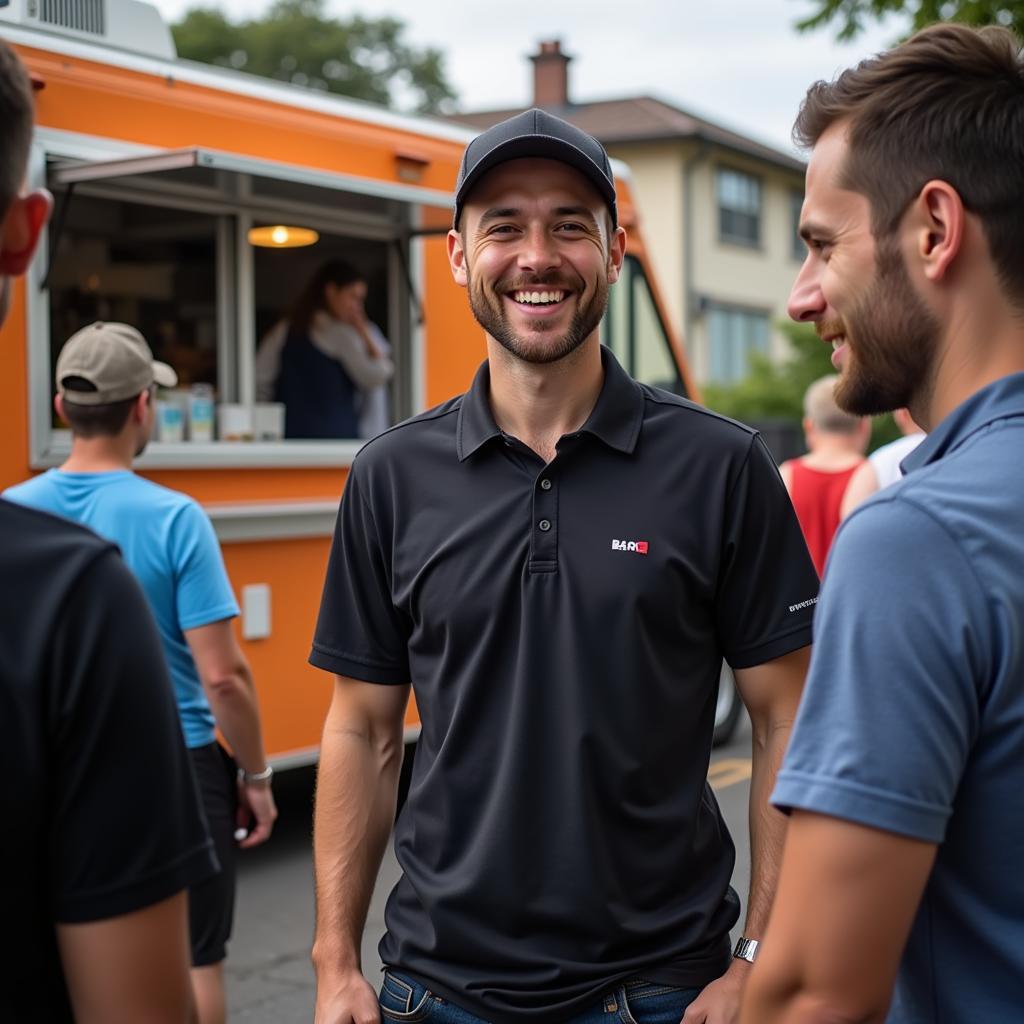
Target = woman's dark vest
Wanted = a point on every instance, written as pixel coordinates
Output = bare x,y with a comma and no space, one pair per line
319,396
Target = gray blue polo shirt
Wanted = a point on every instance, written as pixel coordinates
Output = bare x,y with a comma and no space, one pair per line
913,717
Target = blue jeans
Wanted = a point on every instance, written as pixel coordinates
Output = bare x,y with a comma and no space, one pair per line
633,1002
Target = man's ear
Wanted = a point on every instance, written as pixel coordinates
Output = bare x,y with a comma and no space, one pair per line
457,258
140,410
19,234
616,254
58,408
939,222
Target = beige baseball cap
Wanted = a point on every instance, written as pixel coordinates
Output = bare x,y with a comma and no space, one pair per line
113,361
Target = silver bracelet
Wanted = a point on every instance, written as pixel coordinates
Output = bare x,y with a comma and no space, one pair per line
249,777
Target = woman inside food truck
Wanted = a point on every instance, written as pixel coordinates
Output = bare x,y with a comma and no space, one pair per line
326,361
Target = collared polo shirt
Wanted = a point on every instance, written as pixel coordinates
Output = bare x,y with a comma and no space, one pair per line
563,626
913,717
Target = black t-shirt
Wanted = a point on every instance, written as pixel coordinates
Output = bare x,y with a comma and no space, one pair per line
99,806
563,626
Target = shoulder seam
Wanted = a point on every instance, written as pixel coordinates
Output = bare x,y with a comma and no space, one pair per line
438,412
688,405
913,503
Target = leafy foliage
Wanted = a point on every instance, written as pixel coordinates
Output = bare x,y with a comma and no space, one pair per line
776,390
297,41
851,15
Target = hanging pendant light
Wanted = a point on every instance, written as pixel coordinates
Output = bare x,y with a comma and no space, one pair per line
282,236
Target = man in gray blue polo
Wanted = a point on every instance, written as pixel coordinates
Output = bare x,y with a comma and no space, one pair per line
901,896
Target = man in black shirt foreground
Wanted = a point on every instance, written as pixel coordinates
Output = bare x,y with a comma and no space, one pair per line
557,561
102,826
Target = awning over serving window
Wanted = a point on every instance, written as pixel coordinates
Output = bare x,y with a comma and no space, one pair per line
249,181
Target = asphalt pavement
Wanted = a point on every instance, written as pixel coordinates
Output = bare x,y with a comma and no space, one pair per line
270,980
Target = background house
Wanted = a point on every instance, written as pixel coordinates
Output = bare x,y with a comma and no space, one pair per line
719,211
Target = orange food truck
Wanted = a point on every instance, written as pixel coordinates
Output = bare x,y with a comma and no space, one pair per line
161,170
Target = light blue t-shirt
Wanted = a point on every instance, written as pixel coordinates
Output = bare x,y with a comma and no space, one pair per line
169,544
913,716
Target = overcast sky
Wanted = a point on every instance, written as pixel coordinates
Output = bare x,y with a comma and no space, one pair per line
738,62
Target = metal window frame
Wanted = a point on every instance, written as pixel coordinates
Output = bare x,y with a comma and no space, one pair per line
78,171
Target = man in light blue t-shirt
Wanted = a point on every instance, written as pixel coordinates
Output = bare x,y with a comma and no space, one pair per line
901,895
106,379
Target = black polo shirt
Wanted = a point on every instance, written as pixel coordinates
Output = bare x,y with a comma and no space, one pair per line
563,627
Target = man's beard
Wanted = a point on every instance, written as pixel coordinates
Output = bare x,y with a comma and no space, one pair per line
490,315
892,339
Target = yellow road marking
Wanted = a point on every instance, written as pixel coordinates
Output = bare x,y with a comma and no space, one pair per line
728,772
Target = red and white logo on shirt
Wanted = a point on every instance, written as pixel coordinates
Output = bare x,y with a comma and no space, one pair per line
638,547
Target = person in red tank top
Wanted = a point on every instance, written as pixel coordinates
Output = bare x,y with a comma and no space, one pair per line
817,481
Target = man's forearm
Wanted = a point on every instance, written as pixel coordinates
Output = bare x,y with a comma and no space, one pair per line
767,825
357,788
236,712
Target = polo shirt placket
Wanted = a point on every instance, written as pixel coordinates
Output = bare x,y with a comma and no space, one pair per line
544,539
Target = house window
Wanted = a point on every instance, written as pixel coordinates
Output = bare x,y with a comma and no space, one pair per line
796,202
733,334
739,207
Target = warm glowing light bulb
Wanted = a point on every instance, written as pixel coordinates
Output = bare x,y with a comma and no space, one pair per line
280,236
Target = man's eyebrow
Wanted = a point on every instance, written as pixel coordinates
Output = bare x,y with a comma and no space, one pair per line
577,211
809,230
499,213
505,212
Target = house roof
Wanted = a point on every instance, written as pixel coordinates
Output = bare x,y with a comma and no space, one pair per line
644,119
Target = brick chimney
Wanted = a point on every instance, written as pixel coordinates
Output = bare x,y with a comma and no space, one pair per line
550,75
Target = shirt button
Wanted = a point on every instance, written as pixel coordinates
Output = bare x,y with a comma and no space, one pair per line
545,484
544,525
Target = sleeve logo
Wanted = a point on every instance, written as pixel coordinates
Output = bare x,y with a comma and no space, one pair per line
638,547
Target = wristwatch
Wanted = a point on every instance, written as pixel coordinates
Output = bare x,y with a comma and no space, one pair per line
746,949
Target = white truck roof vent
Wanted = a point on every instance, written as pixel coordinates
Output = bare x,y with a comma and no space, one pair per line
81,15
132,25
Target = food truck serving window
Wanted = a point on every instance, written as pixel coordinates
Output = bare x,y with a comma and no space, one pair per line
149,266
170,242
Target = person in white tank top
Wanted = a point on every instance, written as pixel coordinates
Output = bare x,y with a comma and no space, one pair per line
883,465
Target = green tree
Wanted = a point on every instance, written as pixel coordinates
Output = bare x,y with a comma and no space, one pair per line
775,390
851,15
297,41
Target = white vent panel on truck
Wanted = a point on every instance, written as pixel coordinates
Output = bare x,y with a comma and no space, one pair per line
131,25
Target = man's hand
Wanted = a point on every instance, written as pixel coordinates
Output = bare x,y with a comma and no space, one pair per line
255,805
719,1003
346,999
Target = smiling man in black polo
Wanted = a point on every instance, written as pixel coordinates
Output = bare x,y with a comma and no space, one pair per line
557,561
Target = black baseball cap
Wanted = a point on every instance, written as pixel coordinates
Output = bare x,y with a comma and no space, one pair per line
539,134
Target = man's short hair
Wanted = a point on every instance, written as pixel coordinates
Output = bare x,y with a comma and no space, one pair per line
16,113
947,104
821,409
105,420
